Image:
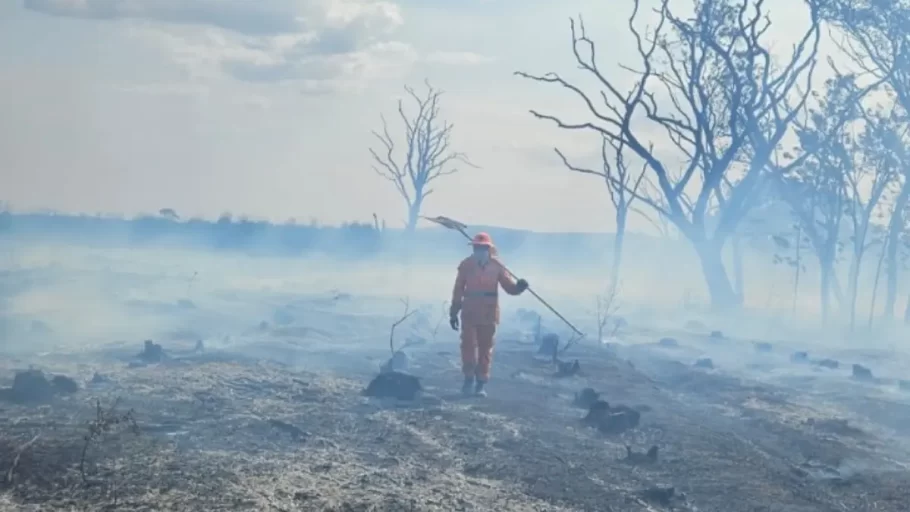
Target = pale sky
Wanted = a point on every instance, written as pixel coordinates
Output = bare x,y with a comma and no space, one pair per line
265,107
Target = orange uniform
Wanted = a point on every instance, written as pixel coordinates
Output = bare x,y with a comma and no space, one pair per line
476,297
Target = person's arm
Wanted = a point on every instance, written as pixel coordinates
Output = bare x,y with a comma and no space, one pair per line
458,290
511,286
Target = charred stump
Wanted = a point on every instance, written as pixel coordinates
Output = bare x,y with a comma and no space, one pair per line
152,352
611,420
33,387
394,384
565,369
399,362
586,398
828,363
595,411
64,384
650,457
860,372
706,363
619,419
668,342
658,495
549,346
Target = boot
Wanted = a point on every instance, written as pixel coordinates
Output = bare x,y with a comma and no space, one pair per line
466,387
478,389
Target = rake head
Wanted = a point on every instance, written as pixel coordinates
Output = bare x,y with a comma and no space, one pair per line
448,223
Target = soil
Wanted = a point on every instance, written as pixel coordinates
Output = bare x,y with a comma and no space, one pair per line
225,433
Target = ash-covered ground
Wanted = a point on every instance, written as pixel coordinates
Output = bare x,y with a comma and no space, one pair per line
257,404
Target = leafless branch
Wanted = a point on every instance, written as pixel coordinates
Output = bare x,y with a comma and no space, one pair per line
607,306
427,154
407,314
616,184
19,452
105,422
873,36
710,85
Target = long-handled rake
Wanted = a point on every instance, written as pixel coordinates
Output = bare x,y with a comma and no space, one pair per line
462,228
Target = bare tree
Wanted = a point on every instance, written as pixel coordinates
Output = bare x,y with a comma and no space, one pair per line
897,226
711,86
816,189
877,40
607,306
842,183
622,185
875,170
425,156
404,316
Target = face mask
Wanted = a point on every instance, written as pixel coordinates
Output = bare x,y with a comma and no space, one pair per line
482,254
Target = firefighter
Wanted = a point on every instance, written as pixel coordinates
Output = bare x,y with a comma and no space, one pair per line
475,296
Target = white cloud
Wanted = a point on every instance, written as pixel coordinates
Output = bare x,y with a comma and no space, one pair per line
258,17
166,89
249,106
320,43
457,58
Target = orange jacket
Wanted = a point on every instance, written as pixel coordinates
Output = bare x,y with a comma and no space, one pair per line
476,291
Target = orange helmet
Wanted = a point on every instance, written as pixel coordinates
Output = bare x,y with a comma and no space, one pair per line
483,239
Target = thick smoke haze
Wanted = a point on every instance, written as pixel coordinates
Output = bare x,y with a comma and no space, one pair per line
87,279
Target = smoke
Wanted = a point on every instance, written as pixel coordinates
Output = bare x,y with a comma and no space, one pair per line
74,280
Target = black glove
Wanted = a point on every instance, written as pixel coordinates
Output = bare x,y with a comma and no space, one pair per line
522,285
453,321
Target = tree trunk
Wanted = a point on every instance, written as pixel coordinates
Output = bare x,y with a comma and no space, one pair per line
618,244
836,289
723,296
853,286
799,266
414,214
878,275
895,226
826,267
738,272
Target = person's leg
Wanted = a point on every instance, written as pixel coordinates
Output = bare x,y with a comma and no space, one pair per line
468,356
485,342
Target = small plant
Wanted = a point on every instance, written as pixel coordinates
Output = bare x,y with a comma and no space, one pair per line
189,284
607,307
105,422
407,314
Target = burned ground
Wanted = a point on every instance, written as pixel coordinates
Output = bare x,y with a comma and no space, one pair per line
221,432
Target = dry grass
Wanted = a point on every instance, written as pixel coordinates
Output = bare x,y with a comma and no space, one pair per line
255,436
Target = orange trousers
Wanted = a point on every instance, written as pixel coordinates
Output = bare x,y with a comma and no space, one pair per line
477,350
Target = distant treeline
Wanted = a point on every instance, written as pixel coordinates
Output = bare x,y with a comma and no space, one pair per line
351,240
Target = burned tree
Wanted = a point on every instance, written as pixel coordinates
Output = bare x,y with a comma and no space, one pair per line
426,154
710,85
622,184
852,164
877,41
897,227
788,249
876,171
816,188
